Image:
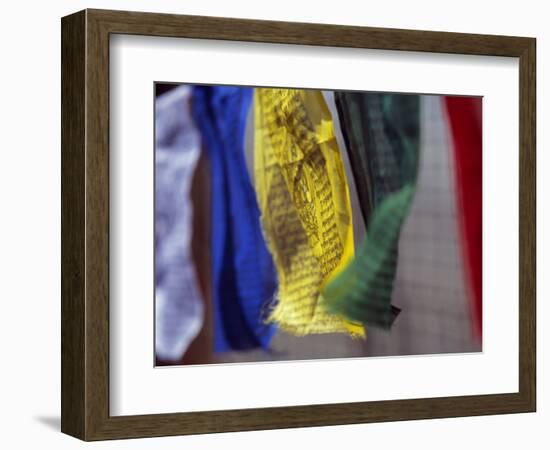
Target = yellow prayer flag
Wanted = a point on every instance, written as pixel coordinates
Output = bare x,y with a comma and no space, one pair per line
305,205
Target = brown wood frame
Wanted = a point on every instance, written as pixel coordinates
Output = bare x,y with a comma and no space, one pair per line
85,224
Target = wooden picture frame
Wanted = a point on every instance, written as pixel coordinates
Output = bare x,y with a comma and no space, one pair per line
85,224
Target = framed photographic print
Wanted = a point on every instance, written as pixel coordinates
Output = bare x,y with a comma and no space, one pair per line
271,224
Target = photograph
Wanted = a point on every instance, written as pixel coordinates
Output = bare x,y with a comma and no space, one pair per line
285,221
306,224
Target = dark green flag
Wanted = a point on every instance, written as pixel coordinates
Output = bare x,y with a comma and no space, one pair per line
382,134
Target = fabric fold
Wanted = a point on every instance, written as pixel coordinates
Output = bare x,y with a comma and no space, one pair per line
244,278
304,201
179,308
464,116
382,134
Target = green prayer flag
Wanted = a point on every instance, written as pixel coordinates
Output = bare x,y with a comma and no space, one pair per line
382,133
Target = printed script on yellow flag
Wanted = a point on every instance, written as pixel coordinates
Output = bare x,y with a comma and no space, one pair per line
304,201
